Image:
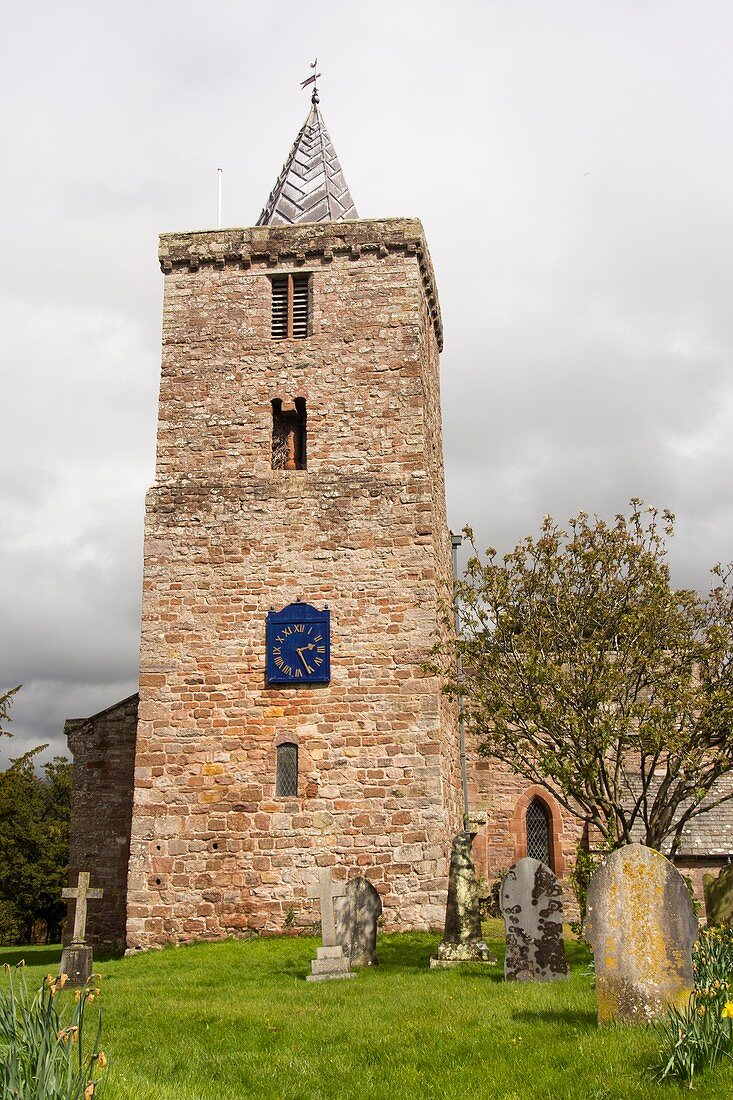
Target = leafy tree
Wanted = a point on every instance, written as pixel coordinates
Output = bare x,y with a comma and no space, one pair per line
584,671
5,701
34,840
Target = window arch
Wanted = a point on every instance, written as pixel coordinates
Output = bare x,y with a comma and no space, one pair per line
555,826
539,832
286,781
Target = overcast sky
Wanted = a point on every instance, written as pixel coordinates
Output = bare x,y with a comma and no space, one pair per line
571,164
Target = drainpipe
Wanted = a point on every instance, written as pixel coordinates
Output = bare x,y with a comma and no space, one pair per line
456,541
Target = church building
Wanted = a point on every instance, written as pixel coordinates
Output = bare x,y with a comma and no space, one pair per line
296,558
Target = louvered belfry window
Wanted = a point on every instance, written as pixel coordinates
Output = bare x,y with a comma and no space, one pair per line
289,307
538,832
286,784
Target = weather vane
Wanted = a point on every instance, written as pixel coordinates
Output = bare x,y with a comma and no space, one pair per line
312,80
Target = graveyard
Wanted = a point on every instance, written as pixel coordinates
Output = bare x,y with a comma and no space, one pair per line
238,1019
521,1003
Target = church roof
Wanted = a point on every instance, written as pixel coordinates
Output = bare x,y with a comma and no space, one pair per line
311,186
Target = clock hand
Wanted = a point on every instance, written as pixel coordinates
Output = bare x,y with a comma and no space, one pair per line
300,654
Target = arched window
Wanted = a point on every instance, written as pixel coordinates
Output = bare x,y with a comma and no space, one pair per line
537,823
286,783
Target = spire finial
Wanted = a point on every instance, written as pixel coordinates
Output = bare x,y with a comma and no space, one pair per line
312,80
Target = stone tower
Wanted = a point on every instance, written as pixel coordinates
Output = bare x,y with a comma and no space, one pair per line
300,470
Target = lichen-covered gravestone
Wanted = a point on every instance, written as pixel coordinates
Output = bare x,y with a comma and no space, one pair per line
531,905
642,928
719,897
462,939
357,913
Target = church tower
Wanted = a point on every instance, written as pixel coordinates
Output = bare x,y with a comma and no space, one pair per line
296,552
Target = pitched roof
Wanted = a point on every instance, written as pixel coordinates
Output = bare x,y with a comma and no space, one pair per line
311,186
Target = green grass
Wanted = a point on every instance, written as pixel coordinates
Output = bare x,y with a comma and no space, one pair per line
236,1020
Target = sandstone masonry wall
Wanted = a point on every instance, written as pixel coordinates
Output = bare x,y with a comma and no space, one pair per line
362,529
103,748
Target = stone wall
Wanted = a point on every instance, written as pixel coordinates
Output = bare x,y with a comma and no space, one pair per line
103,748
362,529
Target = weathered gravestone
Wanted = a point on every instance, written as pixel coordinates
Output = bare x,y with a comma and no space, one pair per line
642,928
76,959
531,905
357,913
719,896
462,939
331,962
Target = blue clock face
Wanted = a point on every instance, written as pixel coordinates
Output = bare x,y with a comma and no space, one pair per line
298,650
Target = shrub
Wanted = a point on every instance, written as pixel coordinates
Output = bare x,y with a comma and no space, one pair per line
44,1052
699,1035
585,866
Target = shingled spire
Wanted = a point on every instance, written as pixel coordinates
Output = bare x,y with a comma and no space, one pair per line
311,186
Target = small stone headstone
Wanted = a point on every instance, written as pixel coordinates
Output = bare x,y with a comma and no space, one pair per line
331,962
642,928
531,905
719,897
462,939
357,914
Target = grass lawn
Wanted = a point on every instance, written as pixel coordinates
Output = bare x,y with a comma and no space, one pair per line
237,1020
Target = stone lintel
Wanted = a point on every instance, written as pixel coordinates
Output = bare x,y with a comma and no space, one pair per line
309,242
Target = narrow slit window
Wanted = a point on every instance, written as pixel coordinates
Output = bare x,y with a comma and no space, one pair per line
290,301
538,832
286,784
288,435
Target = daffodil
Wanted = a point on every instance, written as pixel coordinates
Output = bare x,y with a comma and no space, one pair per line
727,1013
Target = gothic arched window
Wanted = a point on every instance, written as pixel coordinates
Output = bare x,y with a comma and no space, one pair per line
538,832
286,783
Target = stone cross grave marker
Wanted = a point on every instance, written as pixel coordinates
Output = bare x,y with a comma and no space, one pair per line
76,959
357,913
331,961
642,927
531,905
82,893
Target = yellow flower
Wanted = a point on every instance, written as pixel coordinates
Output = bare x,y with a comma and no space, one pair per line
63,980
89,1091
102,1059
727,1013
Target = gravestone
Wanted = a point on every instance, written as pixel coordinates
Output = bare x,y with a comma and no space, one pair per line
462,938
642,928
76,959
357,913
331,963
531,904
719,897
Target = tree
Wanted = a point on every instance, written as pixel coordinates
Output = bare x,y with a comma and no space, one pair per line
34,839
586,673
5,701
